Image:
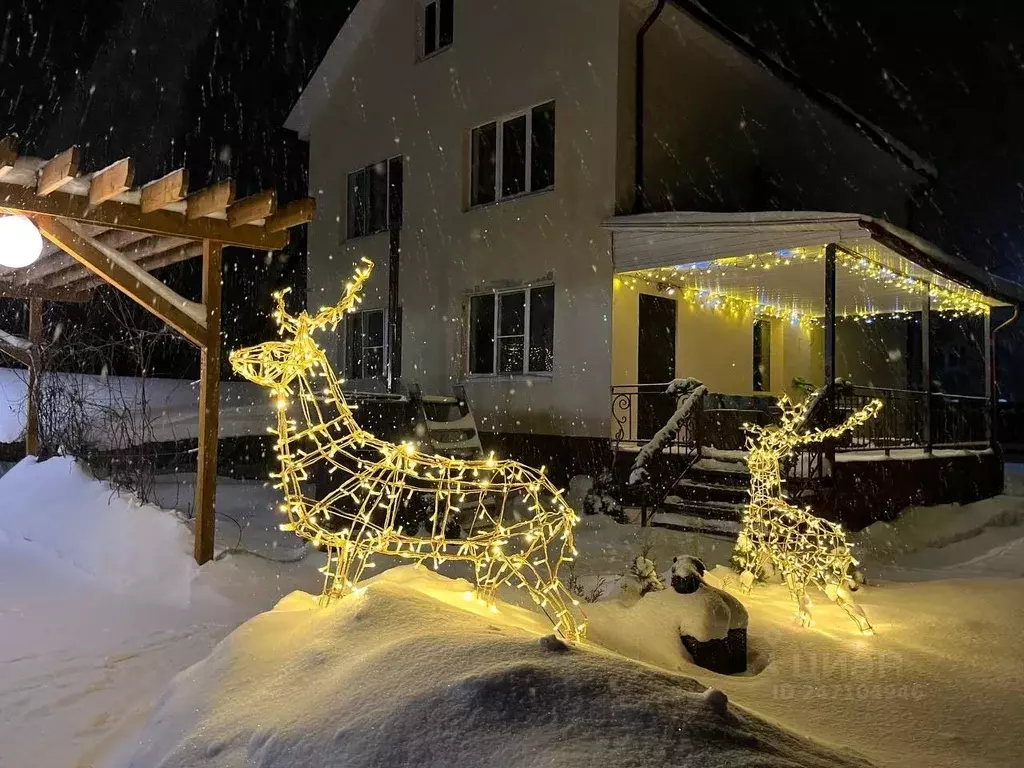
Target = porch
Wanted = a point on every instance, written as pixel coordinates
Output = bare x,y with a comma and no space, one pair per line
758,306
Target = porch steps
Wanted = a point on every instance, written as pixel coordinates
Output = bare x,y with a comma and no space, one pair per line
710,499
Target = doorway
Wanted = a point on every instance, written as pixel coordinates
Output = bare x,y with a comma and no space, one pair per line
656,363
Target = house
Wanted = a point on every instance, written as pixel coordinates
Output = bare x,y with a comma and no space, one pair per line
572,202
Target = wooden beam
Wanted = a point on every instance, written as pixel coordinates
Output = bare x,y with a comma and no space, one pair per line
21,291
127,277
166,190
58,171
35,336
253,208
209,406
116,215
112,181
20,354
292,215
149,247
215,199
8,153
148,263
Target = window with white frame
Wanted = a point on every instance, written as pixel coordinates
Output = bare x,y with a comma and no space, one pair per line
364,344
513,156
512,332
375,197
437,25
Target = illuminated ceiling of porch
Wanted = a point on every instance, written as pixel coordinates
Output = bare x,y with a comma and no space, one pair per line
870,280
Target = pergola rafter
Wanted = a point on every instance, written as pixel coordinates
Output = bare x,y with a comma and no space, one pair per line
102,230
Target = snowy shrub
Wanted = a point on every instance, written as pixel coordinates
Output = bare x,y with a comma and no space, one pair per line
601,500
576,586
643,577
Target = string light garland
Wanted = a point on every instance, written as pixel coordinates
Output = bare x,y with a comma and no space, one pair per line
792,542
515,527
963,301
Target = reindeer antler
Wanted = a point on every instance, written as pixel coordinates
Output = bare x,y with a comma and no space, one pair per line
330,317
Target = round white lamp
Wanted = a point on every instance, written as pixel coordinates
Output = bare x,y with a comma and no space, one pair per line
20,242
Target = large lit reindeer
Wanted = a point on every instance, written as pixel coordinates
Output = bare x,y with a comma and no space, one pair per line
515,527
792,542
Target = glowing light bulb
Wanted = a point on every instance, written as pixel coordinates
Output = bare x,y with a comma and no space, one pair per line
20,242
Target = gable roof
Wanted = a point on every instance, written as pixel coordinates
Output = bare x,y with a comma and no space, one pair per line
363,18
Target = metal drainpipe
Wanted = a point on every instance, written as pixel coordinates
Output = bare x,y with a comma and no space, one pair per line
994,401
638,171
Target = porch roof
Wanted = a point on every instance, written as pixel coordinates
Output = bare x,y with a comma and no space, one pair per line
656,240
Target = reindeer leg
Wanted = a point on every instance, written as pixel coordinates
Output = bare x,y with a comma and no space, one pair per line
798,590
840,595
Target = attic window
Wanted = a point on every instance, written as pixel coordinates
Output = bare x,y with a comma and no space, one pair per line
438,26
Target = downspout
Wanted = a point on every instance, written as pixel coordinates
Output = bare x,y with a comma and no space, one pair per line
638,170
993,400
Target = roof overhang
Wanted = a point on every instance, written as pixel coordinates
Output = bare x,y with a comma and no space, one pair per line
652,240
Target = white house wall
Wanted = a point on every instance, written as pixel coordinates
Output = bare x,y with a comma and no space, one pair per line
716,120
507,56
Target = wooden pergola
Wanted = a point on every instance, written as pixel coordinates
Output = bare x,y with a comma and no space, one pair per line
103,230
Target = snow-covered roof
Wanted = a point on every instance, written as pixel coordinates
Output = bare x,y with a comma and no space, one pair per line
652,240
361,21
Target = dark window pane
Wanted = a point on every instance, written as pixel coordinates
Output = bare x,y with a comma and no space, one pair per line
512,314
396,183
484,164
762,356
374,365
373,329
513,157
510,355
357,193
542,329
378,197
354,347
447,23
542,160
430,29
481,334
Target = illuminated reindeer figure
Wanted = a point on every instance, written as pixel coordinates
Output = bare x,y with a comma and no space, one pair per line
801,547
510,506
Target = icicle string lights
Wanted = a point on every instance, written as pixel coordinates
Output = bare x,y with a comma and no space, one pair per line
685,280
792,542
514,527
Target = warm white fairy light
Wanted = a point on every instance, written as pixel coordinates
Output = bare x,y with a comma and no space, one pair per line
519,530
792,542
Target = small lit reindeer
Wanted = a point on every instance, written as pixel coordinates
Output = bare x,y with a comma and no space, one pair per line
516,527
801,547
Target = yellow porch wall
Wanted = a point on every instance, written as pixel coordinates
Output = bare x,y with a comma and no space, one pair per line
715,347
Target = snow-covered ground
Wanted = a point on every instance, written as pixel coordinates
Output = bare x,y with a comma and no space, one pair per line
101,610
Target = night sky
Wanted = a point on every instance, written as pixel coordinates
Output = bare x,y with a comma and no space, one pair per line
208,85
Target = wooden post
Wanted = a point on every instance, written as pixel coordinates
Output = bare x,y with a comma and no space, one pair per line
926,367
35,336
209,405
393,342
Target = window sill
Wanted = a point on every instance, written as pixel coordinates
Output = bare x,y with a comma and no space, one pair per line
509,377
356,238
428,56
511,199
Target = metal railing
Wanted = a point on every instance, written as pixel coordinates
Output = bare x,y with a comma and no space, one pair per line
911,419
639,411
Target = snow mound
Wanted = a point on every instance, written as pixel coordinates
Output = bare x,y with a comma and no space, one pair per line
78,524
410,673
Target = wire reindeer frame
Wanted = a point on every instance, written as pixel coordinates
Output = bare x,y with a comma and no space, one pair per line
799,546
519,529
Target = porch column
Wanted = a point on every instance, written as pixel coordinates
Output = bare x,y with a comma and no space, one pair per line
830,350
990,384
926,365
393,329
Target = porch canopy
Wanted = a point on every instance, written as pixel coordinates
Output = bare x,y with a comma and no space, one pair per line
100,229
880,269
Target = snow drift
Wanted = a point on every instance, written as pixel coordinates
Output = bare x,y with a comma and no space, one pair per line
411,673
83,527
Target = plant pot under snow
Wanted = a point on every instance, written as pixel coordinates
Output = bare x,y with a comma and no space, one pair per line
712,623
